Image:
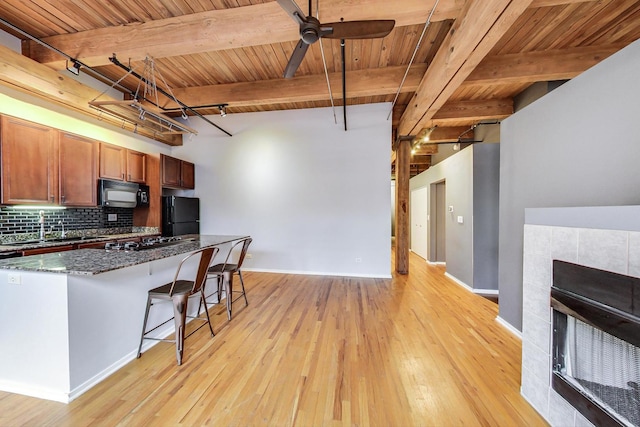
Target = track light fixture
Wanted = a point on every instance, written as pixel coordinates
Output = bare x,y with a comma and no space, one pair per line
223,109
74,68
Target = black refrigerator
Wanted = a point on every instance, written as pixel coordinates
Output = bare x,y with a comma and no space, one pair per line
180,215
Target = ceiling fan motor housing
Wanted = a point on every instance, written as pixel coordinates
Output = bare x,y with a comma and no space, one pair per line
310,30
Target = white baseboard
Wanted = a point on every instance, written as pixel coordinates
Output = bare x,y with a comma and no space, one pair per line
458,281
480,292
487,292
40,393
509,327
319,273
436,262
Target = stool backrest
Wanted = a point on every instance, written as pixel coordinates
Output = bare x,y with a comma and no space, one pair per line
243,252
206,255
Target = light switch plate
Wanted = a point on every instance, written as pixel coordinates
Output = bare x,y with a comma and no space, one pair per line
460,220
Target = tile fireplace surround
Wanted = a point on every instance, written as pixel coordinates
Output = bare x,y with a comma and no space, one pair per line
607,238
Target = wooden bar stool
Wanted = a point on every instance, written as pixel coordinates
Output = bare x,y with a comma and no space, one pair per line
178,292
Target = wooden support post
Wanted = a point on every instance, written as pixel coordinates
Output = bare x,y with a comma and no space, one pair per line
403,159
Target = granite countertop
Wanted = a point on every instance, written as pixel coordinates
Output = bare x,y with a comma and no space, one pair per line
95,261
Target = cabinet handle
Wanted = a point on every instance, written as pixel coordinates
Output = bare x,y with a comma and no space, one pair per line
129,177
123,177
62,198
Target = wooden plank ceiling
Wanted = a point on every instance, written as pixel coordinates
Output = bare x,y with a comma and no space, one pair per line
476,56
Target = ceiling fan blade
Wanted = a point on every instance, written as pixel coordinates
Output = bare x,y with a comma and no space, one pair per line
357,29
296,59
292,8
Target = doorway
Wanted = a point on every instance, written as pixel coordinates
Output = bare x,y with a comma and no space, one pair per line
419,226
437,228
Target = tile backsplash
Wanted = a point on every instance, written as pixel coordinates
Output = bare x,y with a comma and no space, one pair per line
20,221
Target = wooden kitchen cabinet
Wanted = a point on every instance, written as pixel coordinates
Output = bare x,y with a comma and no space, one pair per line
122,164
78,166
92,245
170,171
136,167
51,249
29,162
188,175
176,173
113,161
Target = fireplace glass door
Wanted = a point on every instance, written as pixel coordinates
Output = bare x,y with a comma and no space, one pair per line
596,343
604,368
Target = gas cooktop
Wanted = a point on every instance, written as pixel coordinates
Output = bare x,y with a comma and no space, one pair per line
146,243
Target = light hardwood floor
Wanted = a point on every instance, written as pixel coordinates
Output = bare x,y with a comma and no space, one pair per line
416,350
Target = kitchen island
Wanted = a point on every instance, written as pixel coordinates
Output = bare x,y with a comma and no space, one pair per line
70,319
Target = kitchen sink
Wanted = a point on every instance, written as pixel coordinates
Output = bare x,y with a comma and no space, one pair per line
75,239
23,243
56,240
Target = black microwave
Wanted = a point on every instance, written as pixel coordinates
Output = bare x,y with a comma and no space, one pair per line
120,194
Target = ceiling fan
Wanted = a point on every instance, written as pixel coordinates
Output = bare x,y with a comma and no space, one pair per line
311,30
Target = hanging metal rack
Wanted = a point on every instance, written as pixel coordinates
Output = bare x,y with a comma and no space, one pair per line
143,114
163,121
143,79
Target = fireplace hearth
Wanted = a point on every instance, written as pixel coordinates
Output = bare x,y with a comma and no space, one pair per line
596,338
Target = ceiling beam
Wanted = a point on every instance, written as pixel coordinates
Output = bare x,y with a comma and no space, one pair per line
367,82
441,135
21,73
231,28
516,68
418,159
425,149
445,134
549,3
475,110
530,67
480,26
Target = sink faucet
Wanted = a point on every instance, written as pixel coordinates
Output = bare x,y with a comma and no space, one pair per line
41,221
64,233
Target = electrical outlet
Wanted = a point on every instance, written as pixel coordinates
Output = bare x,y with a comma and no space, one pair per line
112,217
358,259
14,279
249,256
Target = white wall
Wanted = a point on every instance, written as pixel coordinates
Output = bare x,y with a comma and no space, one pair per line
314,197
576,146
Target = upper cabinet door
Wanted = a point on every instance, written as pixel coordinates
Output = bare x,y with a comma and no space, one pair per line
170,167
113,161
176,173
187,175
29,162
136,167
78,170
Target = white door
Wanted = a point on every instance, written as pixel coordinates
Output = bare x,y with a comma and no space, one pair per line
419,228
